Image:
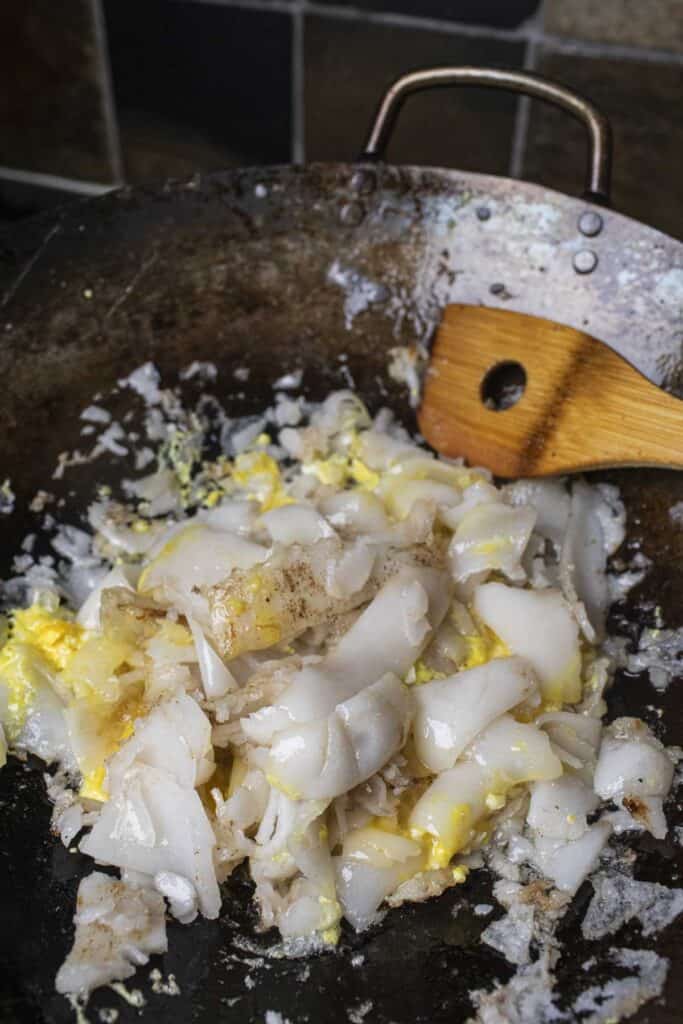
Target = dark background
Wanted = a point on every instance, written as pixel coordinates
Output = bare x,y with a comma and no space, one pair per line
94,93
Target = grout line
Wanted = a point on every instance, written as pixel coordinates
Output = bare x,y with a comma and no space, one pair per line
107,87
609,51
298,154
83,188
278,6
519,138
529,31
460,28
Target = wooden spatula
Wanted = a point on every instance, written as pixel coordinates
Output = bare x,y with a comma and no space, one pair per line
529,397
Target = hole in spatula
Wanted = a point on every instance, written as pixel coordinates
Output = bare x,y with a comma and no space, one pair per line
503,386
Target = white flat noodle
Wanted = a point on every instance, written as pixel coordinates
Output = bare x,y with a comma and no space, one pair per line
324,607
512,752
633,769
327,757
481,492
349,573
45,732
237,516
175,736
551,500
312,904
296,524
217,679
197,557
342,410
381,452
578,734
153,824
372,865
539,626
388,637
491,537
583,557
404,494
568,863
450,712
356,512
247,804
118,928
504,755
180,893
89,613
558,809
294,590
451,807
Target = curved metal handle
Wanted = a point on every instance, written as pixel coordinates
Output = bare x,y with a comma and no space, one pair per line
598,170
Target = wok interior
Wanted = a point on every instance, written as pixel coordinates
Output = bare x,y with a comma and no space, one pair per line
211,271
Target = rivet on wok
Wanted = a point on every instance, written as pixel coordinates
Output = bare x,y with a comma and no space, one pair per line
590,223
364,182
483,212
351,214
585,261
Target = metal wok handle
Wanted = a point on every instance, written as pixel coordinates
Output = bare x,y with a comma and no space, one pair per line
598,170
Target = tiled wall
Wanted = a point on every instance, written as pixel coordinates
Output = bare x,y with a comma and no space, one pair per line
97,92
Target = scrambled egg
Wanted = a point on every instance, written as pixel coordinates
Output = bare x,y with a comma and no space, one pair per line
260,474
56,637
47,646
341,470
40,642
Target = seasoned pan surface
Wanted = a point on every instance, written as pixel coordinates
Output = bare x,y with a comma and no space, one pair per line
325,269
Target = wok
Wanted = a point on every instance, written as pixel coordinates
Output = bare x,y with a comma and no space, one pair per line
325,267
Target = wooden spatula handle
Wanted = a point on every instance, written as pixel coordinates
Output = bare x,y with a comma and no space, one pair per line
582,406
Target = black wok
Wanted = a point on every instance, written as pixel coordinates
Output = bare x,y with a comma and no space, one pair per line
325,267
